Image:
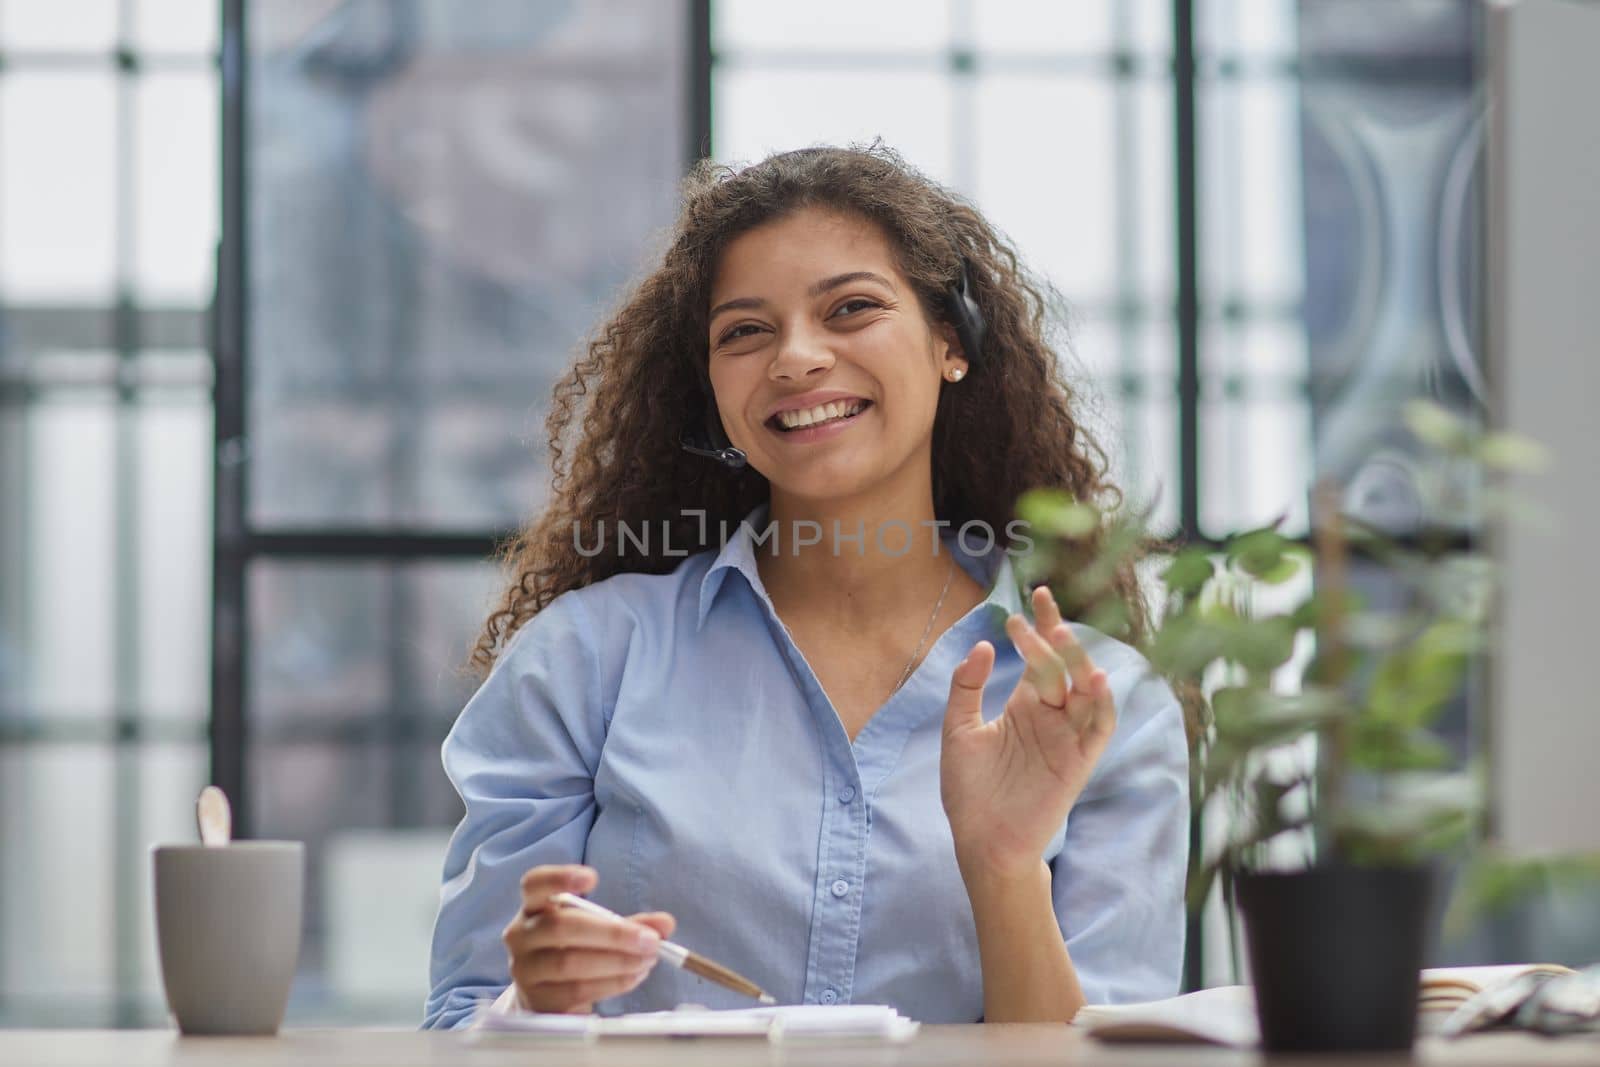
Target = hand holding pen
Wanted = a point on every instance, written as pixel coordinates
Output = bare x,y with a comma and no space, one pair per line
568,952
564,959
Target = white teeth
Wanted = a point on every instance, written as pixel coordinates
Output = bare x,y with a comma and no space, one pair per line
792,420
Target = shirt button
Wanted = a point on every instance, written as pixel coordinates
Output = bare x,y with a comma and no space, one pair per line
840,887
847,794
829,996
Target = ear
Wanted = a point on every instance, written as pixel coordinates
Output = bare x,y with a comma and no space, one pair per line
947,348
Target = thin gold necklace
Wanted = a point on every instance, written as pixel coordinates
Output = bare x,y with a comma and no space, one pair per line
926,630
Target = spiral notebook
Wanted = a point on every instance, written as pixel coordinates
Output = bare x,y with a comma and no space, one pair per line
795,1022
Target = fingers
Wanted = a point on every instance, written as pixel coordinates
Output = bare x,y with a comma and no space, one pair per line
1046,615
564,959
659,921
1043,669
1094,688
541,883
569,928
964,710
1079,666
555,966
577,995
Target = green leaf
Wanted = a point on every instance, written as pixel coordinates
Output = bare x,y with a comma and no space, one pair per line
1057,513
1258,553
1388,746
1294,559
1185,646
1111,617
1249,718
1189,571
1512,452
1434,425
1262,645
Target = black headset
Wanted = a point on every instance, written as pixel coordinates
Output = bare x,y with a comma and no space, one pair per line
710,440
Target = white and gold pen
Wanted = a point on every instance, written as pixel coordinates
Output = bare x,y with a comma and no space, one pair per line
676,954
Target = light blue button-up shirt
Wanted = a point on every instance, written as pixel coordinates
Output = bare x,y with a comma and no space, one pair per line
666,731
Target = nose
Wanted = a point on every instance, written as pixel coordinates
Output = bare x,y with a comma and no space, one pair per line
799,355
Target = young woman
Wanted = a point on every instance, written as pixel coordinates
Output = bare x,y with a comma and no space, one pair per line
765,681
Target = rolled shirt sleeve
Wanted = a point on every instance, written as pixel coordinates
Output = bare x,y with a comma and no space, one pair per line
1118,883
522,755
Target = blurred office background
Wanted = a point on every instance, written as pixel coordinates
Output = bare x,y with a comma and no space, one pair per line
284,286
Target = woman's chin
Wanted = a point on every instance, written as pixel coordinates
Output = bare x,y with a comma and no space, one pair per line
826,482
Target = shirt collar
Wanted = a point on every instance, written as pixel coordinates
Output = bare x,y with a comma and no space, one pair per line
992,569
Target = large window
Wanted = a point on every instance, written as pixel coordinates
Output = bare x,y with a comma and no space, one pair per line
427,206
108,224
1059,121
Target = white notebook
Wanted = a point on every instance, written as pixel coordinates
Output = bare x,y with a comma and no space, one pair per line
874,1022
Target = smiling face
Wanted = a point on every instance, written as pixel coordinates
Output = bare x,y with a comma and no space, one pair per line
825,367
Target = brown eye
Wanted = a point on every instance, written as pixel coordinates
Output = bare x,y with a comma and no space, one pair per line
734,334
857,300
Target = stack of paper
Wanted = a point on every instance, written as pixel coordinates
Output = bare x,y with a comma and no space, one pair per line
1226,1015
874,1022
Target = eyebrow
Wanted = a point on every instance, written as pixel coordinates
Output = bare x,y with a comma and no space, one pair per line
816,290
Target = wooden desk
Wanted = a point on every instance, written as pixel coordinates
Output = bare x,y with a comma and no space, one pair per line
935,1046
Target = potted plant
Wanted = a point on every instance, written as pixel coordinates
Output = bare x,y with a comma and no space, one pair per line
1324,792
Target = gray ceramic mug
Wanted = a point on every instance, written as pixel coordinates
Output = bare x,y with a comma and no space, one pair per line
228,928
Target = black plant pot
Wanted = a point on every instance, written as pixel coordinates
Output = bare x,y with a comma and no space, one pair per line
1336,953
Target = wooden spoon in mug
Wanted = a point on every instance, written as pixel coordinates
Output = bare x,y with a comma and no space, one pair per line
214,815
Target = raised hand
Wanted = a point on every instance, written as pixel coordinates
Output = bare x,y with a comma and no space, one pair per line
1007,785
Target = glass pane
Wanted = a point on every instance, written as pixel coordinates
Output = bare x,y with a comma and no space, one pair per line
1150,441
56,911
1144,26
173,448
1269,351
1055,195
830,26
176,25
1128,401
1146,163
1108,349
357,672
79,26
319,637
68,502
360,646
380,893
57,192
1255,460
1083,26
1134,416
441,210
1252,222
1264,28
757,111
312,791
14,562
176,219
372,886
1391,149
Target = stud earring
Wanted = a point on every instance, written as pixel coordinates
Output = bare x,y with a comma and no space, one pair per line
956,374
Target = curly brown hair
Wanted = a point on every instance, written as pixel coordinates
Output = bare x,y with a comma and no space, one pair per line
643,382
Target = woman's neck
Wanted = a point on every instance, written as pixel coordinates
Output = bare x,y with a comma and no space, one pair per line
885,562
